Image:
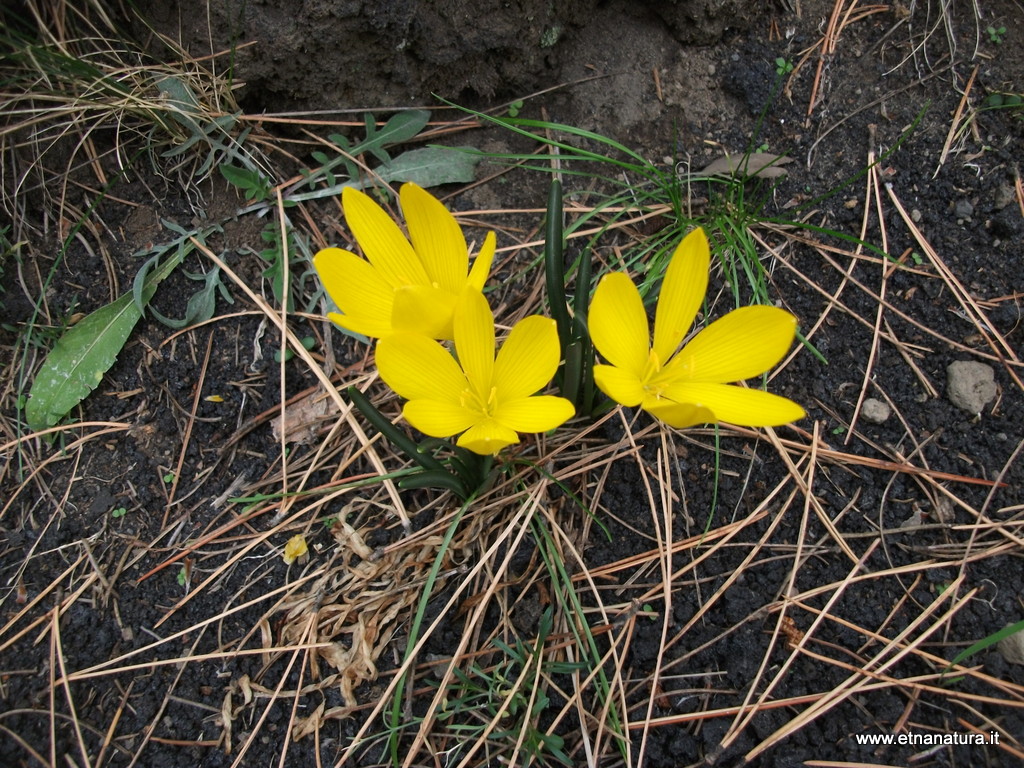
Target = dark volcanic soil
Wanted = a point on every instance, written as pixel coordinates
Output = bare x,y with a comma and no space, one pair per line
85,587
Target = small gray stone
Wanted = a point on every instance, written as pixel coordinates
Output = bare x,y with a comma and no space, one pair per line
875,411
1012,647
1004,196
943,511
915,216
964,209
970,385
915,520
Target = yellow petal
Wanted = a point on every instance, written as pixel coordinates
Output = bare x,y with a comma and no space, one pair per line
622,386
438,418
677,415
487,437
474,341
682,292
357,289
534,414
618,323
528,359
361,325
419,368
295,548
382,241
737,405
746,342
424,309
437,238
482,263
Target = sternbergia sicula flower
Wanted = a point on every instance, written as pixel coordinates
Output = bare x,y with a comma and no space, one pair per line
692,385
404,284
486,398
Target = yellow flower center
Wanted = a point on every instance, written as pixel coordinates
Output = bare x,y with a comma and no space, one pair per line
649,380
471,400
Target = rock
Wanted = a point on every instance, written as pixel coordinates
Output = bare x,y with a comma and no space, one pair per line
915,520
1004,196
875,411
943,511
970,385
964,209
1012,647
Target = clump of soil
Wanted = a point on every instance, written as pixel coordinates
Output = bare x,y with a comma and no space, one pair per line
370,55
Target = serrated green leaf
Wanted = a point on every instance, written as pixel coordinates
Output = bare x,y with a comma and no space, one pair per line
340,140
431,166
178,92
76,365
402,127
175,228
201,304
242,178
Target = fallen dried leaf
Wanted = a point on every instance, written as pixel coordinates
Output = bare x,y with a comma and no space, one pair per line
301,420
761,164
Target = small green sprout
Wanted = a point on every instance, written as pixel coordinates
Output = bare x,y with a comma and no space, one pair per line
995,34
783,66
515,107
1004,101
917,258
254,184
168,478
182,576
119,512
308,342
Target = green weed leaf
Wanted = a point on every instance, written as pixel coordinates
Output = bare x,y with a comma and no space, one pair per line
201,304
399,129
252,182
76,365
431,166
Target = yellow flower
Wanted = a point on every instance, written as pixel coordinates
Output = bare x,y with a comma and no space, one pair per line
404,284
489,400
295,549
689,386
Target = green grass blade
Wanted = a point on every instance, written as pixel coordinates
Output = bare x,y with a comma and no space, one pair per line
985,642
